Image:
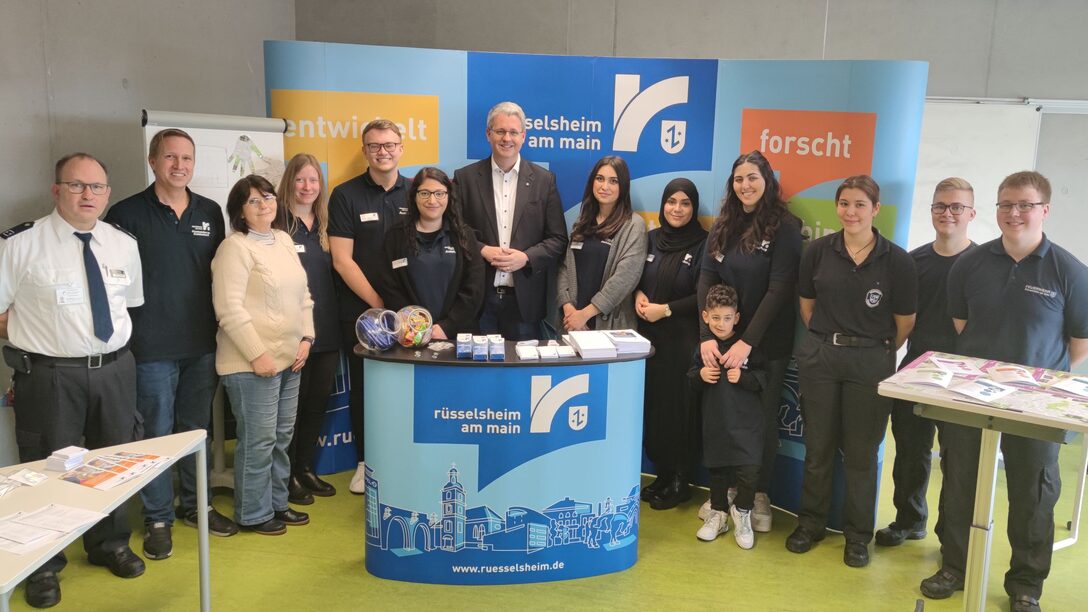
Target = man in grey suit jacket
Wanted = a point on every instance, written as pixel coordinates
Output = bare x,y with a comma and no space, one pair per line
514,207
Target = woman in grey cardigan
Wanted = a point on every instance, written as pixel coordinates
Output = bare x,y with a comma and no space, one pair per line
604,259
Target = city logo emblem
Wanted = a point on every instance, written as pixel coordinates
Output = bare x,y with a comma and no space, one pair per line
872,299
633,109
546,400
673,136
577,417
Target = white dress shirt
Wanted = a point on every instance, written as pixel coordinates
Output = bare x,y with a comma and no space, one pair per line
505,187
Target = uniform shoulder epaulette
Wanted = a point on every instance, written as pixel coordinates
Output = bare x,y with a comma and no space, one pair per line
124,231
22,227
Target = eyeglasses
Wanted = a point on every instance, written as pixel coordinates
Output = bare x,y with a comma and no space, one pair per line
78,187
268,197
505,133
425,194
1024,207
374,147
957,209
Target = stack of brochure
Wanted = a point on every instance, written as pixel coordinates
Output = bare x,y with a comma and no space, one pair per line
108,471
628,341
592,344
65,459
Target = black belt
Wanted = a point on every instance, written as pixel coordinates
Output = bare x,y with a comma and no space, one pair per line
503,290
91,361
837,339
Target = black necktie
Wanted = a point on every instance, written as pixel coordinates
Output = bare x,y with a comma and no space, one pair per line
100,304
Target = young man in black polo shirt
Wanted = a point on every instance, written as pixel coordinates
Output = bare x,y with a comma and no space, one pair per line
1020,299
360,212
952,210
173,336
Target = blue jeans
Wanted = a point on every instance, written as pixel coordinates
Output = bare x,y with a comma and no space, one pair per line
265,411
174,396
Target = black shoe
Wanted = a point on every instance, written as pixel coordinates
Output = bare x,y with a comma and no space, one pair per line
675,492
941,585
122,562
42,590
856,554
894,535
271,527
801,540
298,494
1024,603
292,517
316,486
157,541
651,490
218,525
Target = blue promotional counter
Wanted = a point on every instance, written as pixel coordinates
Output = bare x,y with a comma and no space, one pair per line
501,472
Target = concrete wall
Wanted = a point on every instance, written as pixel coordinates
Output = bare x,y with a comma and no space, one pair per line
75,75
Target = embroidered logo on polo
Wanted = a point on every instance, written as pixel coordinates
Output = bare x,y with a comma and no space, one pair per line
204,229
764,246
1040,291
872,299
687,259
449,250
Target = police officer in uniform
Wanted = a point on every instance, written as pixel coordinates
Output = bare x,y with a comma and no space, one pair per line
858,293
66,284
1020,299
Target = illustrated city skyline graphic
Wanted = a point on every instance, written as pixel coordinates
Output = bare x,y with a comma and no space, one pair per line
567,522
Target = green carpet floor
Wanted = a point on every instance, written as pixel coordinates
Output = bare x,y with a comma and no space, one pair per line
320,567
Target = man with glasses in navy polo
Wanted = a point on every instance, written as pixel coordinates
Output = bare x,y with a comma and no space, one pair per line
66,284
361,211
1020,299
173,336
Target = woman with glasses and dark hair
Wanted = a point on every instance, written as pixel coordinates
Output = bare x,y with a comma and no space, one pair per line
433,259
754,247
858,295
305,202
266,329
603,264
668,315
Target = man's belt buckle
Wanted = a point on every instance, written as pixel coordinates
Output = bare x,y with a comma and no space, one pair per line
94,362
835,339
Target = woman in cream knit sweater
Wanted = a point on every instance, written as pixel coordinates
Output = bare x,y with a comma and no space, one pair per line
266,328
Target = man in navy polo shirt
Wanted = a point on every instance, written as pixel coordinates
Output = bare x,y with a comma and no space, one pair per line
173,336
1021,299
361,211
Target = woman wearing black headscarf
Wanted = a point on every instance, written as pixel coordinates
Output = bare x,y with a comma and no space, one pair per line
668,316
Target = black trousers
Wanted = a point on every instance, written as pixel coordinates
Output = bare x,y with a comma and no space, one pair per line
910,471
1034,482
772,403
842,411
315,385
355,384
744,477
58,406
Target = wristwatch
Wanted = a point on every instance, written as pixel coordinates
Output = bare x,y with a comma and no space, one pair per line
309,339
668,311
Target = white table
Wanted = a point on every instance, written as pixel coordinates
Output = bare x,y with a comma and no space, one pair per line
943,405
15,568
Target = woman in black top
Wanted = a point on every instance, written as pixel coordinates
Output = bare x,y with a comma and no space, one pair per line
433,259
754,246
304,201
668,316
858,295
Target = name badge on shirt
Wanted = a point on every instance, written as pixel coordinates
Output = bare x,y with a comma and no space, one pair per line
72,294
402,210
449,250
400,263
368,217
650,258
117,274
300,248
576,246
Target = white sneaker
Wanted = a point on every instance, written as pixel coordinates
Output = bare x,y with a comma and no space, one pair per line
704,510
761,513
358,480
742,527
716,524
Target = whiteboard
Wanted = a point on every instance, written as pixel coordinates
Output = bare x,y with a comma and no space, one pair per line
982,143
227,148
